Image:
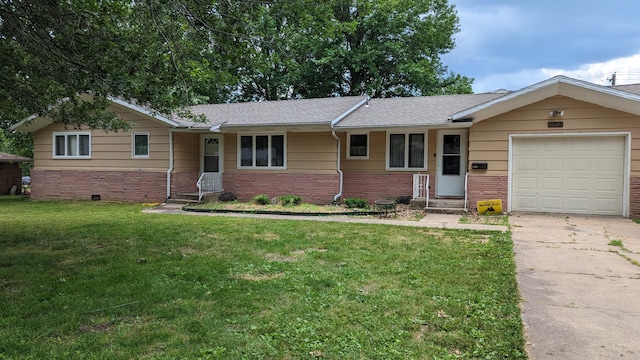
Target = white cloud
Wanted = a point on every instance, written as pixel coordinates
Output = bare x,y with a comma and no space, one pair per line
483,25
627,71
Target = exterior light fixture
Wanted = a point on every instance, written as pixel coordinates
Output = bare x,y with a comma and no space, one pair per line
556,113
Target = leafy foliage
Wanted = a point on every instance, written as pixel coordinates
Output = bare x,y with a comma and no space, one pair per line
261,199
354,203
170,54
290,200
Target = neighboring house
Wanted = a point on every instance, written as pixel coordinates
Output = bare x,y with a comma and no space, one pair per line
562,145
11,173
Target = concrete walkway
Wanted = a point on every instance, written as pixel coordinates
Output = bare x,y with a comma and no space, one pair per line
443,221
581,296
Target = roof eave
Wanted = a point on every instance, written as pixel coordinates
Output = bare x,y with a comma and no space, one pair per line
559,85
448,125
144,111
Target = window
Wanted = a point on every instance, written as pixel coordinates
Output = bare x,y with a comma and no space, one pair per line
72,145
261,151
406,151
358,146
140,145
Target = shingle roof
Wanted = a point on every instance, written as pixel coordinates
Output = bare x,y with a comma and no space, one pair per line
10,158
413,111
321,111
632,88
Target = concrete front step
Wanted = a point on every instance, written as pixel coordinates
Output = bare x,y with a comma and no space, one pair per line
185,198
439,206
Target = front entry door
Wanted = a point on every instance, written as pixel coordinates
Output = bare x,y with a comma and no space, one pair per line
211,163
451,162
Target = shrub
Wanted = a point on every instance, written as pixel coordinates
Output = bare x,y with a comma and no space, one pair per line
261,199
352,203
406,200
227,196
290,200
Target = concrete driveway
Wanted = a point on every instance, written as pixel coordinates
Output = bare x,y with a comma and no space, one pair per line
581,296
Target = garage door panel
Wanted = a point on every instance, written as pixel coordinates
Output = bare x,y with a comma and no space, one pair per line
524,184
550,184
577,204
552,146
552,164
528,163
527,203
579,145
551,204
608,185
573,174
527,146
578,184
609,145
578,165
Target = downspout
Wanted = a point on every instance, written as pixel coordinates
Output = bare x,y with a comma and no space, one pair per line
333,133
338,195
170,163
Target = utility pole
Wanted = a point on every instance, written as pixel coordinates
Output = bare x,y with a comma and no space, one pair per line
612,80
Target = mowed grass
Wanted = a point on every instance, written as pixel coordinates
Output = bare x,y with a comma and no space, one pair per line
94,280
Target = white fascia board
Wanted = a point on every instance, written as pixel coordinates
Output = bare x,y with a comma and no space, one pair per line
144,111
557,80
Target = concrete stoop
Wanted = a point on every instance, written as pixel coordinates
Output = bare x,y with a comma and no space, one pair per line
190,198
439,206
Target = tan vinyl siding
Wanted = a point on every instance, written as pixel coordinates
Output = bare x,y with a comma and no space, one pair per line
378,151
109,150
375,162
186,151
307,152
230,152
489,139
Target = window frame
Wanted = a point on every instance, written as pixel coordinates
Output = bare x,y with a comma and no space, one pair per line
67,135
253,166
407,134
133,144
363,157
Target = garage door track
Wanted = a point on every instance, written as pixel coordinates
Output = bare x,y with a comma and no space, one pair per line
580,282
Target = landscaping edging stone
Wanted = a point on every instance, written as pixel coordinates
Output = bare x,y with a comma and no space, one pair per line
290,213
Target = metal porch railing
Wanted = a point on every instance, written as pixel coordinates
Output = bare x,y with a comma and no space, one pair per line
209,183
421,187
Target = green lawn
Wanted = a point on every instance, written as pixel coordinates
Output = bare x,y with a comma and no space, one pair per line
95,280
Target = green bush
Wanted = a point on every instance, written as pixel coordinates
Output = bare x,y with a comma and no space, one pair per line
290,200
261,199
352,203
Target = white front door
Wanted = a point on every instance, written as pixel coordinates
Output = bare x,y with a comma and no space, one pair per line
451,162
211,162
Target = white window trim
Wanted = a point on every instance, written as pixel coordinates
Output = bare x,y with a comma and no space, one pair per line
406,154
133,145
254,167
66,134
349,156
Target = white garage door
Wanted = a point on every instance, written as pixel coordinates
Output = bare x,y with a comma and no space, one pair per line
578,175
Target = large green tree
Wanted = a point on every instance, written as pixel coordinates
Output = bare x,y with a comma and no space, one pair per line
167,54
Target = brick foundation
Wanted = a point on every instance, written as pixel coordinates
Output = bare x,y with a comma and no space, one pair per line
184,182
314,188
487,188
117,185
377,186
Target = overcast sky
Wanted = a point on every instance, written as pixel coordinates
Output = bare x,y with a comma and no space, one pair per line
513,44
